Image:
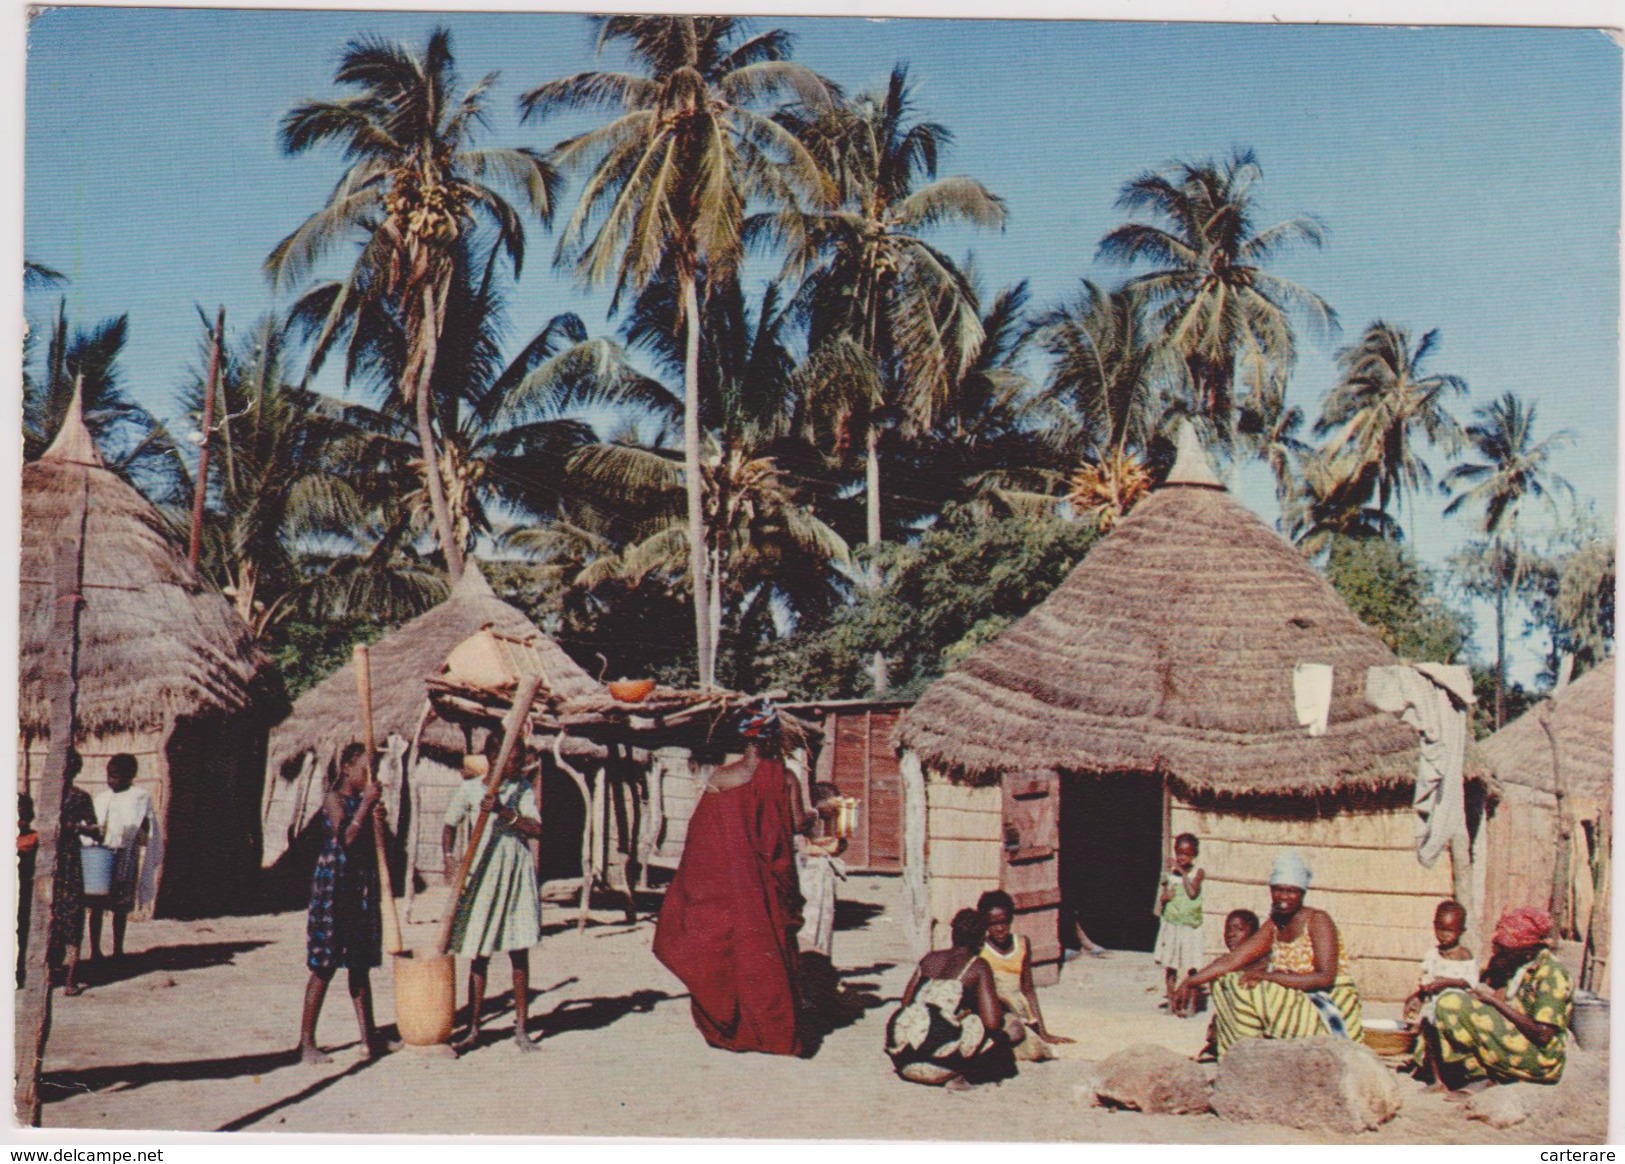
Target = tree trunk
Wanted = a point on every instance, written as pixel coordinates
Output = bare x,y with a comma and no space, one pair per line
872,489
695,485
200,491
33,1018
1502,583
443,528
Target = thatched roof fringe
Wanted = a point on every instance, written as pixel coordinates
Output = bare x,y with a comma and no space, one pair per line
328,716
156,642
1172,646
1582,716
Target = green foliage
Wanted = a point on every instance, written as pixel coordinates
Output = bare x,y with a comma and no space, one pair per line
1395,596
964,582
309,650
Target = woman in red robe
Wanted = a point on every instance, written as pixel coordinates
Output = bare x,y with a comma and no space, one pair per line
729,922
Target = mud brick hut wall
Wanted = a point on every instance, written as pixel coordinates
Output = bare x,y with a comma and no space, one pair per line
1523,830
328,716
1163,669
168,672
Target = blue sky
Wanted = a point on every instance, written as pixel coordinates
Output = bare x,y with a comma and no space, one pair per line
1469,178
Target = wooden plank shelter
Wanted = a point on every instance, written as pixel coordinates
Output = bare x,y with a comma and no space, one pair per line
1551,835
857,757
303,749
1152,694
629,762
168,672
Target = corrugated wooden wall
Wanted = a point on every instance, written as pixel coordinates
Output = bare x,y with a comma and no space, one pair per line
857,758
1522,834
968,831
1366,876
964,849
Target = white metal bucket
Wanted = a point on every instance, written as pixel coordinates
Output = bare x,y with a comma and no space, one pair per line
96,866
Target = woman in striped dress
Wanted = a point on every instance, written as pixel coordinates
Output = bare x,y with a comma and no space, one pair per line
1306,990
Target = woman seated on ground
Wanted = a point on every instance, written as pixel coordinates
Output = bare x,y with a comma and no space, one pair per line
1009,955
1513,1027
1306,989
949,1029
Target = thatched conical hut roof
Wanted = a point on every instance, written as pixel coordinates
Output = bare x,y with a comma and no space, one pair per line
328,716
1582,718
1171,649
156,641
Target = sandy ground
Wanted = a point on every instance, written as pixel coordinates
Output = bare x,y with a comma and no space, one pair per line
195,1034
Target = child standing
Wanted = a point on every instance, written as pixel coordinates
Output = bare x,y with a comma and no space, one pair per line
1179,938
343,927
1447,965
501,904
820,868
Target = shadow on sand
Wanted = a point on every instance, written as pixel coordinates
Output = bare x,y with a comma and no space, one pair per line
195,956
56,1085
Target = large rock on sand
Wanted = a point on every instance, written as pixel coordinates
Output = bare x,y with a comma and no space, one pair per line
1500,1107
1153,1079
1325,1084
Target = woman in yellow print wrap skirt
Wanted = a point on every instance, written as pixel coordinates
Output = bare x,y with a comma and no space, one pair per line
1514,1034
1305,992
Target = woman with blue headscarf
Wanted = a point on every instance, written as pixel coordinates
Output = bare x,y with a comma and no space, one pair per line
1306,989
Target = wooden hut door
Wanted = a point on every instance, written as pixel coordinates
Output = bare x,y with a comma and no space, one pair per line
1029,869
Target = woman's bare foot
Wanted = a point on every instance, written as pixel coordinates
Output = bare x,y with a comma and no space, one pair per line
468,1042
378,1048
522,1040
73,990
312,1056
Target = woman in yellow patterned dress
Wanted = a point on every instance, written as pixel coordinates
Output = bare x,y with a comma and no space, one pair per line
1306,990
1512,1028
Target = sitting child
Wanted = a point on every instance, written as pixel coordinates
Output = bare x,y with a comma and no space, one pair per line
1239,925
1447,965
1009,956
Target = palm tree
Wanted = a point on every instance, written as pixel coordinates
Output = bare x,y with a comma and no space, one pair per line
1214,300
413,189
1268,427
508,427
1332,500
1103,368
872,281
998,446
296,471
1383,402
131,441
1512,467
670,179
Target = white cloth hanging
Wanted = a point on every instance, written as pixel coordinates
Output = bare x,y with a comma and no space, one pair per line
1432,698
1312,695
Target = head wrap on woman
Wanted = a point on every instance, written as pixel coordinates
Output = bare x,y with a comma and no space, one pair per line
761,722
1519,929
1290,869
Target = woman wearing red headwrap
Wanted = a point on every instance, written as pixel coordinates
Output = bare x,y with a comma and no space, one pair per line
1512,1028
729,922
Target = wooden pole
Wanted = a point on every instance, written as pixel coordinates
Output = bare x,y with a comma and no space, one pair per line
391,922
33,1020
201,488
1561,918
513,725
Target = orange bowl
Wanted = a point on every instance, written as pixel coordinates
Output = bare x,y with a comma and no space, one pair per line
631,690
